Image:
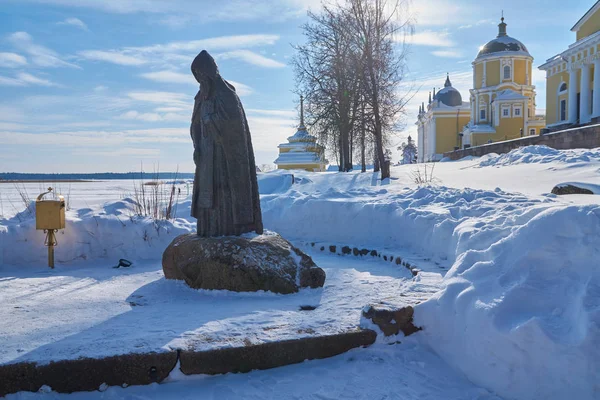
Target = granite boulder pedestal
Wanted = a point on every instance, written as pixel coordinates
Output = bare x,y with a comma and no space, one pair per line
245,263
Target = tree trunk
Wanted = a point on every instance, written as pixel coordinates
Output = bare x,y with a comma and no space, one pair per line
341,151
375,157
351,147
363,161
347,165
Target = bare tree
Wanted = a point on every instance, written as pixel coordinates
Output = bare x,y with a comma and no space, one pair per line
349,71
379,28
326,76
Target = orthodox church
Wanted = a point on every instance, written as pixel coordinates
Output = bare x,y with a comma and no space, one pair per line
501,106
440,123
302,150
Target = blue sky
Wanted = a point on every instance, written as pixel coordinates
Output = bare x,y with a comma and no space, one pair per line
91,86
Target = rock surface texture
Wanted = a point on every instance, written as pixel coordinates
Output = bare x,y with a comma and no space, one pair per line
570,189
391,320
246,263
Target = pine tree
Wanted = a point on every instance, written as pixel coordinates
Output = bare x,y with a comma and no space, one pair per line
409,152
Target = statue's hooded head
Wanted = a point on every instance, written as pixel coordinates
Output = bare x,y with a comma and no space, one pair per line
204,67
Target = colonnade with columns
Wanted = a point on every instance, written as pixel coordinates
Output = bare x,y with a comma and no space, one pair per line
589,107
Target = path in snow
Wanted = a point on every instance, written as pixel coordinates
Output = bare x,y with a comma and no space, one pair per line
96,311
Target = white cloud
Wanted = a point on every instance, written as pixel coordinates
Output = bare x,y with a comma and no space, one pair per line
113,57
25,79
431,38
538,77
175,21
169,77
167,98
40,55
12,60
241,89
446,12
452,53
251,58
100,138
30,79
76,22
174,55
478,23
100,88
276,113
199,10
171,109
211,44
121,152
268,133
154,117
177,77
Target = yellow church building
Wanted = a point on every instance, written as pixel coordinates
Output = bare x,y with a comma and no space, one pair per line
501,106
440,123
302,150
503,96
573,76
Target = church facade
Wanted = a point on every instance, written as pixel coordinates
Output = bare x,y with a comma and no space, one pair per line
501,104
573,76
440,123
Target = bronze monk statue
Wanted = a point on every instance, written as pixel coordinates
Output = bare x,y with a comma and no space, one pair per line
225,199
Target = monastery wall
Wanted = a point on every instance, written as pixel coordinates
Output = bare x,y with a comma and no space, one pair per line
587,137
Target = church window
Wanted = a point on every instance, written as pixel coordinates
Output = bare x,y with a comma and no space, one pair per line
517,112
506,72
563,110
532,131
505,112
563,87
482,114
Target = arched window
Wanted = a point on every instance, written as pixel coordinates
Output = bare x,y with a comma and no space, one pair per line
506,72
563,87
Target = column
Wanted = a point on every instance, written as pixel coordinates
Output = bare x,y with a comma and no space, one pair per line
484,83
596,102
421,139
433,139
585,90
572,95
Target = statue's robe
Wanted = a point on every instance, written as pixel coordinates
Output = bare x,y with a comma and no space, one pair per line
225,197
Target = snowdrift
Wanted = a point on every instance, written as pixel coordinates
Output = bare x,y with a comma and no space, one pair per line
520,312
521,316
541,155
108,232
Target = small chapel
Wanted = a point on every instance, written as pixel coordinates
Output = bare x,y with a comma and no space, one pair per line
302,150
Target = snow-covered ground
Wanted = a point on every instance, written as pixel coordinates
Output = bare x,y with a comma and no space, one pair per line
518,312
49,315
406,371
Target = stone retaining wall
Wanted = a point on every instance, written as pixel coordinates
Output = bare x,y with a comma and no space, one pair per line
586,137
88,374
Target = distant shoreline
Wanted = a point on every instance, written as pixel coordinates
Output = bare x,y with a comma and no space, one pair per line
49,181
17,177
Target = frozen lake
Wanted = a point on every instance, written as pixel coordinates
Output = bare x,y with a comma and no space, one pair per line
77,194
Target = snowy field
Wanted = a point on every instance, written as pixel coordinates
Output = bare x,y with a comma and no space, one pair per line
517,313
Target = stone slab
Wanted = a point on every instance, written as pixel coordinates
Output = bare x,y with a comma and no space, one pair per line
272,355
87,374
